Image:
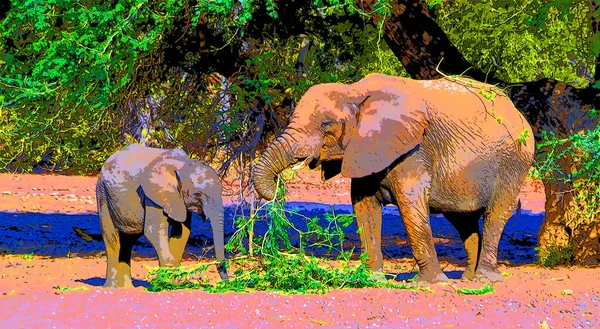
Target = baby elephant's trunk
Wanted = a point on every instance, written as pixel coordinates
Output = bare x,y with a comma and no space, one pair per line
213,210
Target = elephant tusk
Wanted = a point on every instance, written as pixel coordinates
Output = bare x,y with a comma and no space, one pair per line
302,164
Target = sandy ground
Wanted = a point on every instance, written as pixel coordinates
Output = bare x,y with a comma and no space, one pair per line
33,295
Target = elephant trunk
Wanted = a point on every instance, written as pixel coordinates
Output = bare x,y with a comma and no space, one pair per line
276,158
219,240
213,209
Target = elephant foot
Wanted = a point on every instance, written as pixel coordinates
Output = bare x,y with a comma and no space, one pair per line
110,285
431,277
224,276
223,272
114,285
468,275
488,275
169,262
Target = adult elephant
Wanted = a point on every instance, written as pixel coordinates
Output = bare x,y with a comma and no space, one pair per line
451,146
147,191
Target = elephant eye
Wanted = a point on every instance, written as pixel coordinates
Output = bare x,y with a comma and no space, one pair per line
326,124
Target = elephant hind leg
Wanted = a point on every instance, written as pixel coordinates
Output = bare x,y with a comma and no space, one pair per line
124,266
180,233
118,252
112,243
467,226
494,219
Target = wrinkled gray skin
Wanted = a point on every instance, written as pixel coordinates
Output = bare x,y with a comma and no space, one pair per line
144,191
427,146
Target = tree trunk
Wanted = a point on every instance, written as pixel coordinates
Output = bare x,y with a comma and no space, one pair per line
419,43
423,48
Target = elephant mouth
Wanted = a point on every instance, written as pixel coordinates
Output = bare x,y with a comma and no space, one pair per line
301,162
314,163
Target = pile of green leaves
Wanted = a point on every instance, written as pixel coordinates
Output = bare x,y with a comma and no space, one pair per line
487,289
277,265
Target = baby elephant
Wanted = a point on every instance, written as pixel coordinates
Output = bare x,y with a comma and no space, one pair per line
144,190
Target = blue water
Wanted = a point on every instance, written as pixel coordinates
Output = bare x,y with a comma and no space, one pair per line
53,234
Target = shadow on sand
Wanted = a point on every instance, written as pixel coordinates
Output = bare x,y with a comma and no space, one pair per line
54,235
98,282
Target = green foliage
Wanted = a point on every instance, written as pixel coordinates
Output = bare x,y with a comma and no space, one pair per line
553,256
433,3
582,153
489,95
523,40
67,288
64,64
525,134
27,257
281,266
167,279
333,7
74,69
487,289
544,13
380,59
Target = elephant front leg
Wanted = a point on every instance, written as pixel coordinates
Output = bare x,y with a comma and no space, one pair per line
368,218
156,230
180,233
110,235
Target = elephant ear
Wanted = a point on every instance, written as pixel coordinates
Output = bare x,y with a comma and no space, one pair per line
387,128
162,185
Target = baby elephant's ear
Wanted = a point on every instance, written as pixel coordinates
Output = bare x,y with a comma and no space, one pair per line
162,185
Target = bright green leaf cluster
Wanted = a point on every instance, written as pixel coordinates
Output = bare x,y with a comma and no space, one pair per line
523,40
581,151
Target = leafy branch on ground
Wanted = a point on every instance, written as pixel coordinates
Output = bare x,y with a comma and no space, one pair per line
487,289
68,288
278,263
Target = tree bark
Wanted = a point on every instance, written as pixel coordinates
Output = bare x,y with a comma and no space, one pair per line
421,45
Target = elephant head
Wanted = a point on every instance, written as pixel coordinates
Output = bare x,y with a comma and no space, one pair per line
333,123
179,185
